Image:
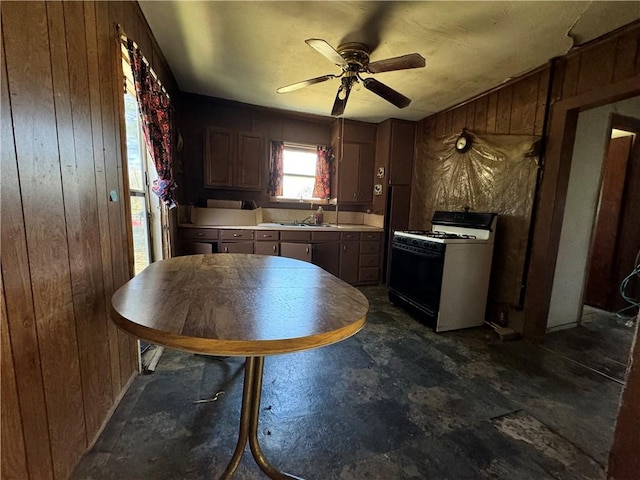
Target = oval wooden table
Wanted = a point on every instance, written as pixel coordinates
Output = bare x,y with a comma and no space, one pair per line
240,305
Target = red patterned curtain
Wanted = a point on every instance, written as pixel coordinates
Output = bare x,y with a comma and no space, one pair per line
156,112
322,186
275,173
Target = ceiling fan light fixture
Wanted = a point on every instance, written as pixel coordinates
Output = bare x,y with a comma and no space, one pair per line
353,59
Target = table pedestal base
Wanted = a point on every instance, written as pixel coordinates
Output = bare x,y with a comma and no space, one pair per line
249,424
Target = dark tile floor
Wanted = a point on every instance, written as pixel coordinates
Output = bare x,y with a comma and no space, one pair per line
396,401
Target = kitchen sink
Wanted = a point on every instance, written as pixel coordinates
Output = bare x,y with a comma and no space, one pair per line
294,224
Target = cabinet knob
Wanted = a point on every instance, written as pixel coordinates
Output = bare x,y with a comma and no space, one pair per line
200,234
307,250
226,249
236,235
275,249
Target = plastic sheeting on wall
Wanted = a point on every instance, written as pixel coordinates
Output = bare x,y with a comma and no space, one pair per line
498,174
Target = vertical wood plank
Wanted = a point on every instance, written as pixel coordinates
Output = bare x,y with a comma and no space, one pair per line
471,115
571,74
596,66
541,107
20,312
113,124
114,15
449,123
524,105
626,55
492,112
459,119
29,74
112,177
13,456
66,31
441,125
503,118
480,118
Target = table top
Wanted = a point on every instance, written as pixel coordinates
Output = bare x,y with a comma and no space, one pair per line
238,304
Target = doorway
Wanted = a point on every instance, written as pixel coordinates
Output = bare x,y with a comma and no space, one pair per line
615,232
593,135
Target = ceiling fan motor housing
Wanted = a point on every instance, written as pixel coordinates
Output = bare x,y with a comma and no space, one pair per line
356,56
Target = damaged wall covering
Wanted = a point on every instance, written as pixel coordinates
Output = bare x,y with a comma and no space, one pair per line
64,244
516,109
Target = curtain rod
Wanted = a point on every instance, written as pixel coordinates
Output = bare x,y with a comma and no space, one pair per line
124,40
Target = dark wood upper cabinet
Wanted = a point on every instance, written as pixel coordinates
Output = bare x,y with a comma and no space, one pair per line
395,150
354,146
233,159
219,151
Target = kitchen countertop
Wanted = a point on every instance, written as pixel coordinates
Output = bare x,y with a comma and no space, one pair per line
278,226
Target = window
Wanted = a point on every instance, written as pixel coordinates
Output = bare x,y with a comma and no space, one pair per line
298,172
138,173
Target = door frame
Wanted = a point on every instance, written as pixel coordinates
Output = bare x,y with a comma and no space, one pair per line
561,135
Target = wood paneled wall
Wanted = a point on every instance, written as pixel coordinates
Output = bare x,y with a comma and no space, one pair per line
64,240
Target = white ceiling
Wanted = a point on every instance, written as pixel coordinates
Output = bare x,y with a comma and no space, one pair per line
243,51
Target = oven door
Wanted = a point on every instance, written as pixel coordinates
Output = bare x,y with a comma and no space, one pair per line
416,278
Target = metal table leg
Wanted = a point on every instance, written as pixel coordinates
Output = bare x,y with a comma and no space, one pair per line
249,415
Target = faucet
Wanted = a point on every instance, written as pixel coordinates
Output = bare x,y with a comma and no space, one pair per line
310,220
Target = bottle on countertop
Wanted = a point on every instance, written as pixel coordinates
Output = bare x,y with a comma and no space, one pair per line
319,216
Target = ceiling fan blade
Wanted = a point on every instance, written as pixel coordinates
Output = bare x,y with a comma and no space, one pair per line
340,103
412,60
327,50
388,93
305,83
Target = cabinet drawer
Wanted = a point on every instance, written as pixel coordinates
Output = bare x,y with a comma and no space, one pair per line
267,248
369,275
236,234
299,251
370,247
369,261
266,235
236,247
325,236
294,236
350,236
199,233
371,236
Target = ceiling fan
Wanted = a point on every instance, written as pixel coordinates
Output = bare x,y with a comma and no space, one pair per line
353,59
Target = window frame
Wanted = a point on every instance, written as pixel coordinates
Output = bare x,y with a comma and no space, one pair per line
310,200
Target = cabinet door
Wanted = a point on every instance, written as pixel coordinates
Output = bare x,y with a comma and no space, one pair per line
327,256
348,173
366,160
299,251
219,154
403,137
193,248
267,248
349,261
251,159
236,247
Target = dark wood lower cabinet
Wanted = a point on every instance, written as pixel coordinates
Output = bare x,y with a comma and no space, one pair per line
350,261
236,247
351,255
299,251
327,256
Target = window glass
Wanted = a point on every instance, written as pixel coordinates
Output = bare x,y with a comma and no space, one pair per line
298,172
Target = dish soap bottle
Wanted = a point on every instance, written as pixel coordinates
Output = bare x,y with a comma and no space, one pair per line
319,216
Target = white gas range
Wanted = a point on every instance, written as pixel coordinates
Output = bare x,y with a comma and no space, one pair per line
442,275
